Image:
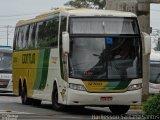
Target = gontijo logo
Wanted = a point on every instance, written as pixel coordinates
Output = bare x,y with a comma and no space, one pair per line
28,58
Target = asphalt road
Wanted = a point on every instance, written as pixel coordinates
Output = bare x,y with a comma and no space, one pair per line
12,109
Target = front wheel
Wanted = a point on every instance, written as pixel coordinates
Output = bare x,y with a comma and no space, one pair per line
119,109
55,103
36,102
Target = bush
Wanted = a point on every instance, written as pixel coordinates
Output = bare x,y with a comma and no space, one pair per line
152,105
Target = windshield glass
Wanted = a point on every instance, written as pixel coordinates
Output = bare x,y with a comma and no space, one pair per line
104,26
5,61
155,72
105,58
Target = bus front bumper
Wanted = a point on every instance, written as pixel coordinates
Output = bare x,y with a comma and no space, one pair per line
154,90
84,98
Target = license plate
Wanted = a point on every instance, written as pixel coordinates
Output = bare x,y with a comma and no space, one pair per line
105,98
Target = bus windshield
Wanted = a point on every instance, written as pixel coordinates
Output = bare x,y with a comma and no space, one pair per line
92,58
5,61
104,54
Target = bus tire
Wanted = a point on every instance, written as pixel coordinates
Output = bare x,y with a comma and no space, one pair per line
36,102
119,109
25,100
20,88
55,104
75,108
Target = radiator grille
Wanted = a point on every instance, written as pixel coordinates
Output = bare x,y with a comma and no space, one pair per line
3,83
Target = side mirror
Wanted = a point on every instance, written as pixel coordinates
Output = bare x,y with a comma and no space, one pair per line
65,42
146,43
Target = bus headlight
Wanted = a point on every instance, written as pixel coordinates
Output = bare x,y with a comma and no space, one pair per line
77,87
135,87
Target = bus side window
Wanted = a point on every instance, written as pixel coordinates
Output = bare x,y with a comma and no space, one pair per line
25,37
20,36
52,32
32,36
62,29
40,34
15,47
47,33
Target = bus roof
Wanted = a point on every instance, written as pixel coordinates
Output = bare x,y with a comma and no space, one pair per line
76,12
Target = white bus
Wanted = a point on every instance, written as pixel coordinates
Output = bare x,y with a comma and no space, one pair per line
154,86
79,57
5,69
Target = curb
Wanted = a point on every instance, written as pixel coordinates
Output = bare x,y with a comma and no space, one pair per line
136,107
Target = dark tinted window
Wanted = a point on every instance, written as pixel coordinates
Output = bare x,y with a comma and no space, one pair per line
15,42
20,38
36,35
32,36
48,33
25,37
62,29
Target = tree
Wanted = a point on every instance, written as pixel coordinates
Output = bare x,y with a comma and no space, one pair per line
152,106
96,4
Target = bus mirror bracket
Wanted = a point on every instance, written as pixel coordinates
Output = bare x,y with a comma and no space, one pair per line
146,43
65,42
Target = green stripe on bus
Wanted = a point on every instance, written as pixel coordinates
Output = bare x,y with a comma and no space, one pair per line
45,69
122,85
118,85
39,69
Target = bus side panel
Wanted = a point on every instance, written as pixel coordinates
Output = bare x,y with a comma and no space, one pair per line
24,68
31,66
53,74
